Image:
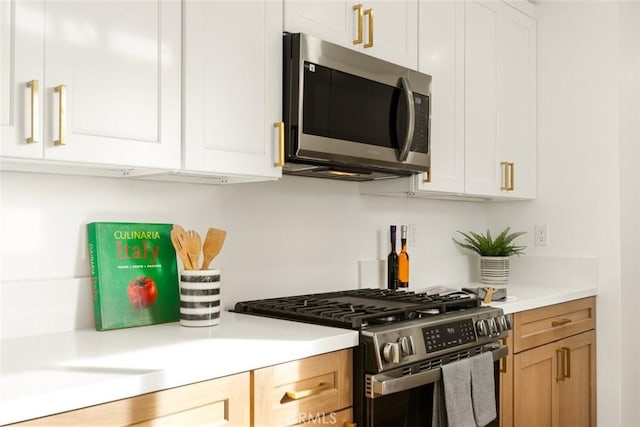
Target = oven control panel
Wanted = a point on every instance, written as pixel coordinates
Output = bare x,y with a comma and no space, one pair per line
431,338
453,334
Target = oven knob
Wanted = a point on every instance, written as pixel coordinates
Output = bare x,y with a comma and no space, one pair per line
481,328
406,345
493,326
504,322
391,352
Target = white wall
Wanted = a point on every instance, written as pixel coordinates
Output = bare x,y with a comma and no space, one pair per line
293,236
629,89
587,175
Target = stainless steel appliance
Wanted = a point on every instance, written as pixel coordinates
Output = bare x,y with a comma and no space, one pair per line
405,337
351,116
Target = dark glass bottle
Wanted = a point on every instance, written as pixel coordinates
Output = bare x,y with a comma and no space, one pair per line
392,262
403,259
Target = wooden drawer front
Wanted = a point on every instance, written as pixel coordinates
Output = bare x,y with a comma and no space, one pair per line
223,401
540,326
328,375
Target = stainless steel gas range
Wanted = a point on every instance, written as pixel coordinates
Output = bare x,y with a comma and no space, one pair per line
405,339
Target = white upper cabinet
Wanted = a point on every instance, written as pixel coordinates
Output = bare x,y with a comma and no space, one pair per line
482,57
108,82
22,53
517,101
442,57
500,99
232,88
382,28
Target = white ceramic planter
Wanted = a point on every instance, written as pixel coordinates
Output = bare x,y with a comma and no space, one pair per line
494,270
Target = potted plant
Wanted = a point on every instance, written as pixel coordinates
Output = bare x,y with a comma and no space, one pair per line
494,253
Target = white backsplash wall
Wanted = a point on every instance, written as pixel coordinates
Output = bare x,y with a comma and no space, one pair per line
296,235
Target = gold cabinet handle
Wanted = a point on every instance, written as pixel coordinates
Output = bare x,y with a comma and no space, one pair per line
358,9
567,362
280,126
349,424
505,175
297,395
369,13
508,176
61,90
560,364
426,177
34,86
503,361
556,323
512,180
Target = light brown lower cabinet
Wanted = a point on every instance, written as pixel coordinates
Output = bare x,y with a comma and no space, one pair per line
552,383
312,391
220,402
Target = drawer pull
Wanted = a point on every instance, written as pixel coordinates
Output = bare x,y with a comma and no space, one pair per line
297,395
560,322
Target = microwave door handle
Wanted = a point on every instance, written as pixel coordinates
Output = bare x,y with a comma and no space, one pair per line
411,119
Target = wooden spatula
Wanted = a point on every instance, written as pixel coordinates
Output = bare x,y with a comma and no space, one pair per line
212,245
178,240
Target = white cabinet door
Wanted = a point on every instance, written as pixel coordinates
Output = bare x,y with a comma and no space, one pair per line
499,101
334,21
483,172
517,100
382,28
119,63
393,31
22,53
232,87
442,56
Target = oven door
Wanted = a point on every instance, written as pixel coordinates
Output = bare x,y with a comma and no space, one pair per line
407,400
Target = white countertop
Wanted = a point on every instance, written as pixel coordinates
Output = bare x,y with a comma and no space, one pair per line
48,374
521,298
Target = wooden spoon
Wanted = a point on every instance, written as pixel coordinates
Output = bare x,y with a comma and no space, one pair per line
178,241
194,247
212,245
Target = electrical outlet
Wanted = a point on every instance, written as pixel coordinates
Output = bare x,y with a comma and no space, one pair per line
541,236
412,235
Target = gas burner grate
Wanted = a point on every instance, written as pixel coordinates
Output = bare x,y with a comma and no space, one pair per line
357,309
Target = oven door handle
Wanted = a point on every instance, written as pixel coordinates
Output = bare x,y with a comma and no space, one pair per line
411,119
382,385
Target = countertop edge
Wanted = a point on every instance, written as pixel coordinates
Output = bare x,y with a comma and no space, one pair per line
550,297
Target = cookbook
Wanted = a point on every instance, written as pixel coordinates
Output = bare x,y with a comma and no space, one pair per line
134,274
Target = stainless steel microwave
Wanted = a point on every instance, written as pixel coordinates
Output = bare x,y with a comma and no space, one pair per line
351,116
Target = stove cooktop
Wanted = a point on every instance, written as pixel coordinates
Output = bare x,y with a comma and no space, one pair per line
359,308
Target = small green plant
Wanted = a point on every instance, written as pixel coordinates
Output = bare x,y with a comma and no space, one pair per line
484,245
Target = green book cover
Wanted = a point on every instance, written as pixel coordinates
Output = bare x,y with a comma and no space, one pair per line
134,274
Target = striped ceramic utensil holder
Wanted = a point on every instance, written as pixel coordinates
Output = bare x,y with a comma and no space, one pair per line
199,297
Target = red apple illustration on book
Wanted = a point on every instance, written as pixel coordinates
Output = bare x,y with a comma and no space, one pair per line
142,292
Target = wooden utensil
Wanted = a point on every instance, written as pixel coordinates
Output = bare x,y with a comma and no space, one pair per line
212,245
194,247
179,243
